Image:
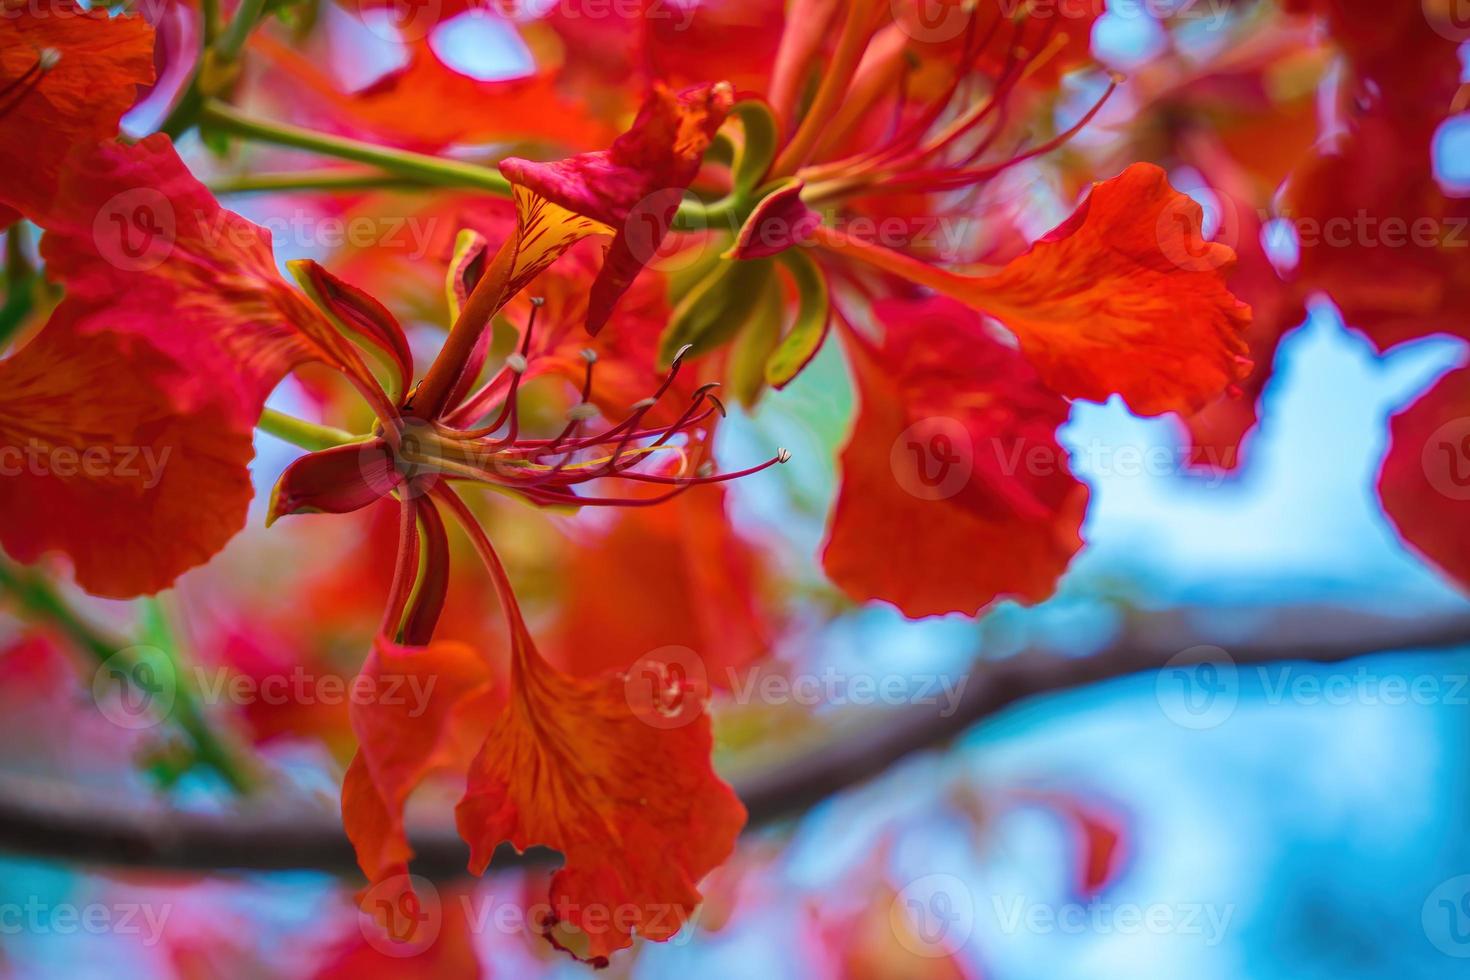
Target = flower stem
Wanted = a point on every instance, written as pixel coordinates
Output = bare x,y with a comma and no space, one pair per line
430,170
232,41
314,180
299,432
40,601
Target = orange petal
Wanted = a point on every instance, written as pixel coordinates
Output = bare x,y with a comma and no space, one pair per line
108,456
954,492
675,575
1125,297
427,105
624,791
408,706
96,64
1425,480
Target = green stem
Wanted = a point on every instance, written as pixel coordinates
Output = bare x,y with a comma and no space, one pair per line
414,169
307,435
40,600
232,41
430,170
313,180
209,17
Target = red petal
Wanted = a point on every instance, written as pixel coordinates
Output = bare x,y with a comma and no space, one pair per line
1125,297
626,794
1217,431
954,490
102,60
356,311
339,480
636,186
1368,200
1425,480
676,575
107,460
144,248
409,707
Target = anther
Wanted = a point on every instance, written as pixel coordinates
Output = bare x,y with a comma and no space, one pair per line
517,362
783,456
589,355
582,412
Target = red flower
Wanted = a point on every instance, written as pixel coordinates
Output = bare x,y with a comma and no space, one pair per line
569,763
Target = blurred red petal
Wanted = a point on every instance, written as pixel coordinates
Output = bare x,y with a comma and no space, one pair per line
954,491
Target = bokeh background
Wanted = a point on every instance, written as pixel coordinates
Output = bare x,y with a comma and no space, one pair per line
1293,820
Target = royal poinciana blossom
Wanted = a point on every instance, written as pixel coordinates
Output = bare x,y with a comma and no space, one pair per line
754,170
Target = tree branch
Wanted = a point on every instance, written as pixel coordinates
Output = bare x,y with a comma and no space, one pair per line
45,819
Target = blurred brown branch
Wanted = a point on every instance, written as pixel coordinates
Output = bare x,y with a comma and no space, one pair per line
45,819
